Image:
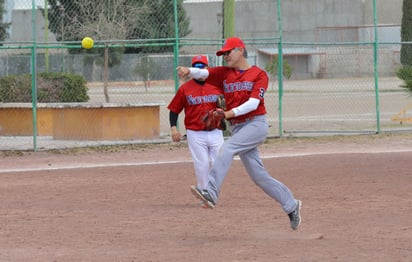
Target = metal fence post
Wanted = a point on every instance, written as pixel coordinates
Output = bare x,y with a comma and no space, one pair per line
375,68
33,77
280,68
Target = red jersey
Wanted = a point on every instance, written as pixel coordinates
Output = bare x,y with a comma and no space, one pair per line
239,85
196,99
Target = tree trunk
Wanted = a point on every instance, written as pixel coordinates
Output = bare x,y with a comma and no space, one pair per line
106,74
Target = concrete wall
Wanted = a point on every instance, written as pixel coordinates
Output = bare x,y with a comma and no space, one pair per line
300,19
21,27
388,11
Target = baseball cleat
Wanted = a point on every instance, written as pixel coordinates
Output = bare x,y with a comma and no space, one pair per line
295,216
204,196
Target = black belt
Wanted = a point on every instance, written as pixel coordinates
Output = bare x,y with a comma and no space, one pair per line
240,121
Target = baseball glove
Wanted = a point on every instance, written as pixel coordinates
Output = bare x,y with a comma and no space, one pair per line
214,118
221,102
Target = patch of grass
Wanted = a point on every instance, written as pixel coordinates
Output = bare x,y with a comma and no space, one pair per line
116,148
9,153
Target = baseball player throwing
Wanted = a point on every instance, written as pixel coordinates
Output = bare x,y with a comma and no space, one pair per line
244,87
196,98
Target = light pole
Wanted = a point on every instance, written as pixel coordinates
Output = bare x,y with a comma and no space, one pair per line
46,33
219,17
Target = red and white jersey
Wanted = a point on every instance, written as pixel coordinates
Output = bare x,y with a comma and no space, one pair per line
238,86
196,99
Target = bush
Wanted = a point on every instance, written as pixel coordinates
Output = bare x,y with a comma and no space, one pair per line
15,89
272,68
405,74
51,88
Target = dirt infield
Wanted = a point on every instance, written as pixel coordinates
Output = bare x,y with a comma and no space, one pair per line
134,204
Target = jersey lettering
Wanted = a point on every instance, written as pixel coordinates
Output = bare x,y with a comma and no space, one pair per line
197,100
237,86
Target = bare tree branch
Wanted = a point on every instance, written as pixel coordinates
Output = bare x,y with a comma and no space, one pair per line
108,19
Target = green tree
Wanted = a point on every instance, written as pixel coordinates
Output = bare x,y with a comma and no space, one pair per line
3,26
144,68
272,69
405,72
406,33
159,23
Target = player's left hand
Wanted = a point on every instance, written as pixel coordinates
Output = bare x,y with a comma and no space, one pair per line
176,136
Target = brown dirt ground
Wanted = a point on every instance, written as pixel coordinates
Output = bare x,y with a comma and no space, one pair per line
134,204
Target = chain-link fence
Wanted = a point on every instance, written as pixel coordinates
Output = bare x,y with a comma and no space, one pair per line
341,67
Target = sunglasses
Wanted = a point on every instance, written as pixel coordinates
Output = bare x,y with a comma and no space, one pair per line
228,52
199,65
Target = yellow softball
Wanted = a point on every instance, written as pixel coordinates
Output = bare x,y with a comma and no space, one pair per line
87,42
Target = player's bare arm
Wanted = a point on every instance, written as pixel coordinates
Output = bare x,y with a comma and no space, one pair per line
229,114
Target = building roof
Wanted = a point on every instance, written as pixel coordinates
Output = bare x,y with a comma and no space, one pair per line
290,51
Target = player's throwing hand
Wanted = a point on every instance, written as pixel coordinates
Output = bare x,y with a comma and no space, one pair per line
182,71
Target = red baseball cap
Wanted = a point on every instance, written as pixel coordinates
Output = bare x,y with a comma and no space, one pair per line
229,44
200,59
